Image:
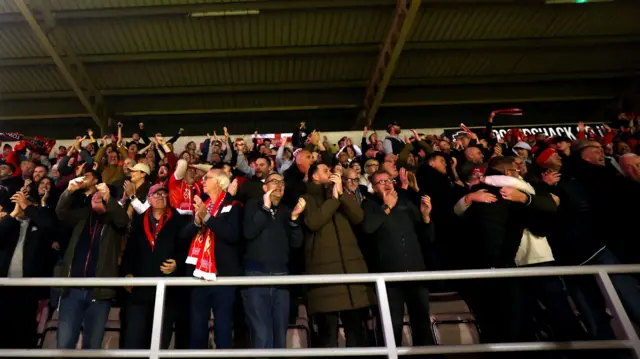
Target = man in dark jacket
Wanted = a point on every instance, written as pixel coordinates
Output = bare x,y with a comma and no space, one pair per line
154,249
93,251
270,228
24,248
331,248
495,232
10,183
399,231
221,215
252,188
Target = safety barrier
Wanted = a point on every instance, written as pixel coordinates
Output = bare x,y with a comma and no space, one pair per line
630,340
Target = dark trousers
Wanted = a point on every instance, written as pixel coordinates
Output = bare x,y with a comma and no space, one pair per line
416,296
353,322
553,295
18,309
139,322
497,305
220,300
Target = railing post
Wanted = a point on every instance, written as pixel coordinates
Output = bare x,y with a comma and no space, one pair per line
385,319
158,312
618,311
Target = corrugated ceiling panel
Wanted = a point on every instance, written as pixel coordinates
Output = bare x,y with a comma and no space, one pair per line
504,62
17,40
102,4
511,22
238,71
31,79
610,58
270,29
7,6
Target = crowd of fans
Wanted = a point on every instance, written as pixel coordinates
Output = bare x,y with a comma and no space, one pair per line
230,207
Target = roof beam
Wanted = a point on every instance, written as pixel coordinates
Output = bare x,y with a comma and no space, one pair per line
347,99
186,9
274,87
71,69
387,59
506,45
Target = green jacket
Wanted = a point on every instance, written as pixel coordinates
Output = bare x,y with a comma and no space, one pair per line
115,222
331,247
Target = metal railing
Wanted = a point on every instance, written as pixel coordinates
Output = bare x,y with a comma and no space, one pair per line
630,340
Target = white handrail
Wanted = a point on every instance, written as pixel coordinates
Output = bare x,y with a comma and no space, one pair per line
325,278
630,341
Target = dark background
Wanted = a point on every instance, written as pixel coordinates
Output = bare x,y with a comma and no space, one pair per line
449,116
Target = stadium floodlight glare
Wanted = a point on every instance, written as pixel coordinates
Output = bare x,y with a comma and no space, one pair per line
224,13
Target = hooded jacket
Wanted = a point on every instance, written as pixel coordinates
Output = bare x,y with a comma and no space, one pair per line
331,247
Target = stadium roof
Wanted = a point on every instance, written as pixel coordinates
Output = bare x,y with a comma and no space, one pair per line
102,58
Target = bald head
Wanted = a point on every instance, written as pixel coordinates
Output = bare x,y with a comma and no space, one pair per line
304,161
630,164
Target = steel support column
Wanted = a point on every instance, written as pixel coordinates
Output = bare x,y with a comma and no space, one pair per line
72,70
401,24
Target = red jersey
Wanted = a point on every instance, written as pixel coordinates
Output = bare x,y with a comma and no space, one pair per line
181,194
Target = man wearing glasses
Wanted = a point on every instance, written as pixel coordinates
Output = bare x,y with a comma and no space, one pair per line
153,249
215,251
398,230
271,228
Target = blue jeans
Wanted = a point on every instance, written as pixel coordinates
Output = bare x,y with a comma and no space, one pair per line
220,299
78,310
267,314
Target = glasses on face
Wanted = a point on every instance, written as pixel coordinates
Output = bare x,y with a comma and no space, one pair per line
160,195
384,182
351,180
276,182
372,165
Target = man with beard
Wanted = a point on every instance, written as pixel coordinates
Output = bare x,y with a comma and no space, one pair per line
271,229
393,144
113,170
163,175
331,248
253,187
92,252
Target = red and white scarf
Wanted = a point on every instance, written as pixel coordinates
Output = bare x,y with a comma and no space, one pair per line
152,233
202,253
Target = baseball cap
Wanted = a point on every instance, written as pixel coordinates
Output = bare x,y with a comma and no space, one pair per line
141,167
392,124
11,165
523,145
157,187
557,139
